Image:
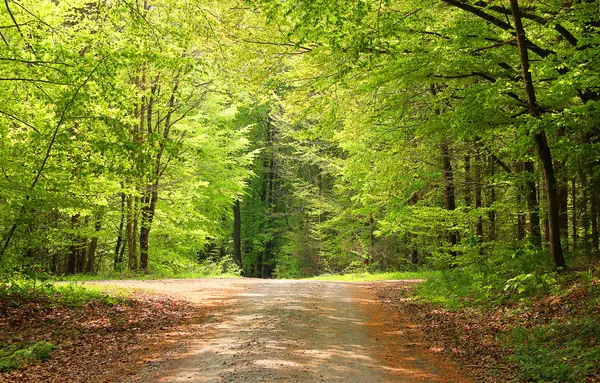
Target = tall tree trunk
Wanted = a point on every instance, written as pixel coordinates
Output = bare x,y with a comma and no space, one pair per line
521,221
533,206
91,257
449,190
491,201
594,213
478,193
541,142
73,248
131,234
118,263
585,218
237,233
574,213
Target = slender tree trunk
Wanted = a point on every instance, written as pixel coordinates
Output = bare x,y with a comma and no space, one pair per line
449,190
131,234
91,258
478,193
533,206
118,263
521,221
541,142
574,212
594,214
492,200
73,249
585,218
237,233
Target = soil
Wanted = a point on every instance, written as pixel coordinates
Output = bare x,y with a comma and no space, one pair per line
292,331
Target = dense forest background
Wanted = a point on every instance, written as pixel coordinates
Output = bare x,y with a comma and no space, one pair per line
289,139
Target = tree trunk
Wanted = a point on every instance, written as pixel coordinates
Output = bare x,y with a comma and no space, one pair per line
585,218
118,263
91,258
533,206
541,142
552,200
574,213
478,194
594,214
237,233
449,190
491,201
73,249
131,248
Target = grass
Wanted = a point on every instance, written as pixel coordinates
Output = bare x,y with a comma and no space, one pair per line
367,276
16,355
141,276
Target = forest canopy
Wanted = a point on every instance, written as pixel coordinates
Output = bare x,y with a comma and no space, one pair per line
289,139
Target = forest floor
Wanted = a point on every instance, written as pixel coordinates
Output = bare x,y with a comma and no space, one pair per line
236,330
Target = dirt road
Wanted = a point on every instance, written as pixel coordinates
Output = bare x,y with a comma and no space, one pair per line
296,331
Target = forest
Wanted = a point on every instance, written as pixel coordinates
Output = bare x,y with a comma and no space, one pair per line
292,139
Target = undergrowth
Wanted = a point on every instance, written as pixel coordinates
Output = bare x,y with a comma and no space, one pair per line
14,356
551,319
367,276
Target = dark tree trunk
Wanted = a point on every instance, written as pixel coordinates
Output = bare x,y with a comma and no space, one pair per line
574,212
492,200
118,264
91,257
237,233
521,221
541,142
147,217
585,218
533,206
449,190
73,249
131,247
478,194
594,213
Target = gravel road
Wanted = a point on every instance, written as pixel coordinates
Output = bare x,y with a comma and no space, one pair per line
295,331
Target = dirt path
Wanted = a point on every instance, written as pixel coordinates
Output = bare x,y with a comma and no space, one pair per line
296,331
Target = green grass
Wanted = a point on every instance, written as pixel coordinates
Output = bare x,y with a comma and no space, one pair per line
367,277
566,351
63,294
141,276
16,355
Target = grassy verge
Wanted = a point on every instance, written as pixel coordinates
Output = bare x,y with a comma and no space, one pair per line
546,324
367,277
141,276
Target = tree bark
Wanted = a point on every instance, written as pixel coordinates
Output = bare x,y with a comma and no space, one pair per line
574,213
91,256
449,190
237,233
541,143
492,199
478,194
118,263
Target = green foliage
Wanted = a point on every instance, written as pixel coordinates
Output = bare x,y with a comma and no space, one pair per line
64,294
505,273
389,276
18,355
566,351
